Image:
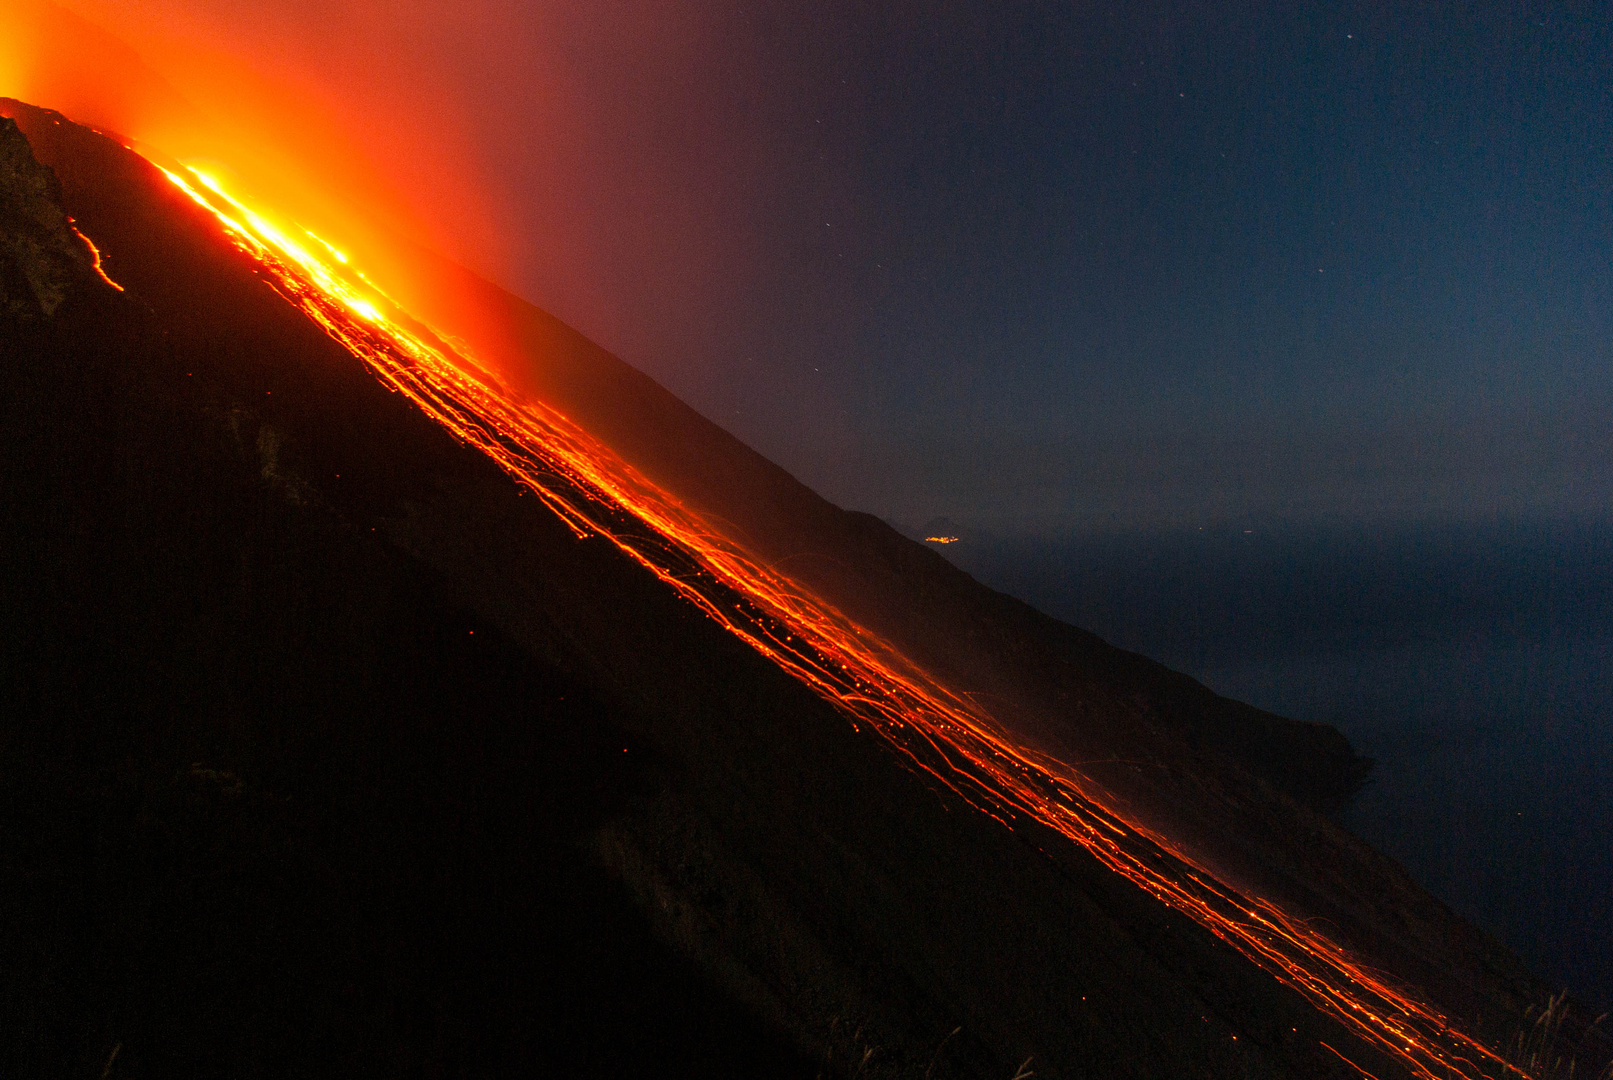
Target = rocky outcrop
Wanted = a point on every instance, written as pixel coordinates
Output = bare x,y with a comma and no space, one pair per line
41,259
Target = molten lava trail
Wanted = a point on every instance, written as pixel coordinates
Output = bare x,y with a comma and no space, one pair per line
934,729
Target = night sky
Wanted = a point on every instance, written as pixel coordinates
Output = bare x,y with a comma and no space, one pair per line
1035,267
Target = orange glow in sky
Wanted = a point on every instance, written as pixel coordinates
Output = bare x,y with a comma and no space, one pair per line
174,79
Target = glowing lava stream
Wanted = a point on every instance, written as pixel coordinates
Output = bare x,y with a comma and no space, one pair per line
936,730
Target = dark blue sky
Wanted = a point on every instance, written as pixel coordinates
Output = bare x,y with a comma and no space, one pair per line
1038,266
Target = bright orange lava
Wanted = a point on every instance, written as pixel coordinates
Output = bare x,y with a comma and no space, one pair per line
934,729
95,256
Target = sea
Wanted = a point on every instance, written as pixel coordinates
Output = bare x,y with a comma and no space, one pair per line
1472,662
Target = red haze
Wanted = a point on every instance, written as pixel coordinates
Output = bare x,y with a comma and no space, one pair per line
187,81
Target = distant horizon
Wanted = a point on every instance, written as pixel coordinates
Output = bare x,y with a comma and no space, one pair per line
1098,524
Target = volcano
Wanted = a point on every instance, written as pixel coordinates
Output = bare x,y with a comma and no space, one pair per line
374,713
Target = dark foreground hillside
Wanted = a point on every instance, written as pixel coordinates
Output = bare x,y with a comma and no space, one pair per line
329,753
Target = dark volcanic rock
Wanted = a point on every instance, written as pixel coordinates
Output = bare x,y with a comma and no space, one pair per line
332,753
40,258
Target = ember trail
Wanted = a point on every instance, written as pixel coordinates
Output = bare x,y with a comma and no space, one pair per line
933,728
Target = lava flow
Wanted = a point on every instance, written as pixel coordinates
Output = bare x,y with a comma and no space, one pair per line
933,728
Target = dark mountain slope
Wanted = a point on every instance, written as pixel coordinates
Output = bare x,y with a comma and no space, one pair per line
332,753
